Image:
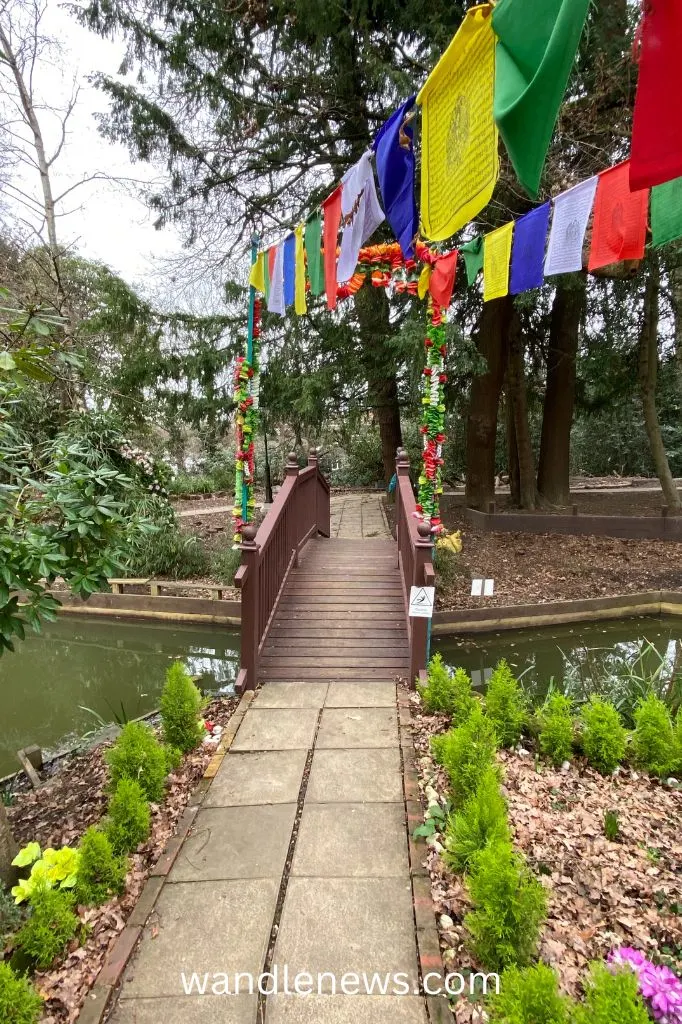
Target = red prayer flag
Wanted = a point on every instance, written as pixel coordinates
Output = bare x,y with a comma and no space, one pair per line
656,152
332,221
272,252
619,226
442,279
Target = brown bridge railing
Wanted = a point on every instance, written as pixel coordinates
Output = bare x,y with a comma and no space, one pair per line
300,511
415,547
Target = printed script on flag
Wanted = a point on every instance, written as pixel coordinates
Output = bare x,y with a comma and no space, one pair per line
460,163
572,211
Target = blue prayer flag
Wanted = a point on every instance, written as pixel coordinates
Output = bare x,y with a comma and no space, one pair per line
528,251
395,170
289,270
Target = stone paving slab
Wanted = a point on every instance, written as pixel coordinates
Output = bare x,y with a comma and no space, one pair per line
273,729
352,841
258,777
207,1009
228,842
361,695
339,925
202,927
355,776
357,727
291,695
340,1009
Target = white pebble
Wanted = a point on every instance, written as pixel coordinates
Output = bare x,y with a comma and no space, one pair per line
566,766
671,781
446,922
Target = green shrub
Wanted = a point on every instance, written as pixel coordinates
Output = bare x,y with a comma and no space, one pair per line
167,553
466,752
51,925
19,1001
611,826
100,872
653,741
603,735
677,743
556,728
137,754
11,916
611,998
224,565
483,819
451,694
181,704
509,907
505,705
530,996
129,818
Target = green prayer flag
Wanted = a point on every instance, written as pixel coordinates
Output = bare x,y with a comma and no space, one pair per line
472,253
536,48
666,212
313,248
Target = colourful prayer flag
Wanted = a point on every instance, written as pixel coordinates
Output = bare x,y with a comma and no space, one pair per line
424,280
472,253
257,275
666,212
332,220
619,225
656,151
276,296
361,214
536,47
442,279
289,264
313,251
396,171
460,164
497,246
572,211
528,251
300,303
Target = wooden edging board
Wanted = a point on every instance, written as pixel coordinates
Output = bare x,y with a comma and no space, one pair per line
143,606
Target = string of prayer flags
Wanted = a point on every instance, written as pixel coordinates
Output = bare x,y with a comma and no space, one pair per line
442,279
313,250
536,48
472,253
257,275
276,296
332,222
656,151
289,264
620,216
460,163
572,211
361,214
528,250
300,304
666,212
395,164
497,246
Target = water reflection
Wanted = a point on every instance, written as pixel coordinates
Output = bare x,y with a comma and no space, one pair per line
55,685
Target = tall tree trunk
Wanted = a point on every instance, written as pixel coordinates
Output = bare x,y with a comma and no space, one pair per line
517,399
372,308
491,342
676,302
648,371
568,310
512,452
8,848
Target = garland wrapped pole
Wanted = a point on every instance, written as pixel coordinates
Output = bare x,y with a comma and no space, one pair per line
433,419
246,393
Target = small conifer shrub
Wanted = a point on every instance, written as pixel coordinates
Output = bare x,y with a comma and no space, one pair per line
603,735
137,754
556,729
181,704
653,741
611,997
101,873
530,996
449,694
482,820
19,1001
50,927
129,818
466,752
506,705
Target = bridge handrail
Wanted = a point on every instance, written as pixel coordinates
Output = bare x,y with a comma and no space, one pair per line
415,553
300,511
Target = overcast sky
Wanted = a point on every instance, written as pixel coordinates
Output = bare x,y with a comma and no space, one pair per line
108,223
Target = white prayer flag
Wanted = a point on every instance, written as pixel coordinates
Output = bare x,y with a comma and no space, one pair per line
276,296
361,210
572,211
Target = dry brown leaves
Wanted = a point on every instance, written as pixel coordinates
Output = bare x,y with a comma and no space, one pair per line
601,894
58,814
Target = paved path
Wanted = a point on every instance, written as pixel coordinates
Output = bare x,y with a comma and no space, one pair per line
298,857
354,516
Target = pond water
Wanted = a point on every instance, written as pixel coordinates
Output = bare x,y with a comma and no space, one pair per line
579,658
111,667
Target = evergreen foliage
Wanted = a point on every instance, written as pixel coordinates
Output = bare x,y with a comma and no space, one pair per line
505,705
181,704
138,755
466,752
50,927
129,819
653,741
101,873
19,1001
530,996
603,735
482,820
556,728
451,694
611,998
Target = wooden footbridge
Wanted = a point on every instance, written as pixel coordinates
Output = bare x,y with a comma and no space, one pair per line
316,607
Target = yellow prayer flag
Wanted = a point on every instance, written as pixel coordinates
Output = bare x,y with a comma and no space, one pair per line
497,247
299,292
460,164
424,280
257,275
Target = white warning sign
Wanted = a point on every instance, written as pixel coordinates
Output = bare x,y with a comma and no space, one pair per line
421,602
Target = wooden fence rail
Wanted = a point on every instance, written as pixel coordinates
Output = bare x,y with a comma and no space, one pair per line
300,511
415,547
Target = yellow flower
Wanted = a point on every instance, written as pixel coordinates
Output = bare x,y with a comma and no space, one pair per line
450,542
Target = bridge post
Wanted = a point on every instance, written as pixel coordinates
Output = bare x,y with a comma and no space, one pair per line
247,579
422,577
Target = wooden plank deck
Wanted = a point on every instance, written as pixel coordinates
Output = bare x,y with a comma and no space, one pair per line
341,616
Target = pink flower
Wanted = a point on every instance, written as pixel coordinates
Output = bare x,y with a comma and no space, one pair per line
658,985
